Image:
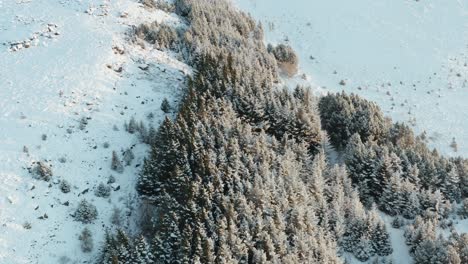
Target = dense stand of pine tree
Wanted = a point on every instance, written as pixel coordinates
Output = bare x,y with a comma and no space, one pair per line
241,175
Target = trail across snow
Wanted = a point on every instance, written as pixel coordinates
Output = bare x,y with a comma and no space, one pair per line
72,71
411,57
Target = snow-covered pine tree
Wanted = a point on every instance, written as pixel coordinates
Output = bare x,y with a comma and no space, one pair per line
116,164
391,201
142,252
363,250
450,187
380,239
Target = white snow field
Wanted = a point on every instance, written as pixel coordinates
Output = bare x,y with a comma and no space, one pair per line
408,56
60,62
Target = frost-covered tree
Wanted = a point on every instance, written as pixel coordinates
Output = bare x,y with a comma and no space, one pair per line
85,212
86,240
102,190
116,164
165,106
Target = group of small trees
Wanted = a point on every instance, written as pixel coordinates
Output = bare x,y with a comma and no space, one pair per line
344,115
426,247
286,58
120,248
389,165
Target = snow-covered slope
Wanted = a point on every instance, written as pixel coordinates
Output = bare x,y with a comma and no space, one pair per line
409,56
63,61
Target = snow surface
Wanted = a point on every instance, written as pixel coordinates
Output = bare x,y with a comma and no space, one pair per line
47,88
408,56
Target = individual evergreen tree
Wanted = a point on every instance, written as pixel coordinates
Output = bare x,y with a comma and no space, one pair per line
142,252
128,157
85,212
116,165
463,211
380,239
123,247
86,240
391,201
132,126
165,106
361,163
363,250
451,187
102,190
410,203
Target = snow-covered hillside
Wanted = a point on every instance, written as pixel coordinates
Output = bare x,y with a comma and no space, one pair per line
408,56
67,77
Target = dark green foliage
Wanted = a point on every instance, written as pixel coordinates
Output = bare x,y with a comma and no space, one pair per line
343,115
116,164
381,240
102,190
162,35
85,212
86,240
65,186
120,248
165,106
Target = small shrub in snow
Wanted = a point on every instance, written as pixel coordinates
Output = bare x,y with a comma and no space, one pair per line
161,35
286,58
159,4
83,123
44,137
65,187
102,190
27,225
149,3
62,160
86,239
111,179
85,212
165,106
454,145
25,149
106,145
128,157
116,165
42,171
142,132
